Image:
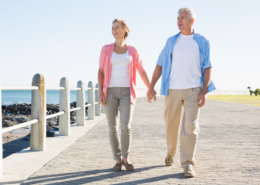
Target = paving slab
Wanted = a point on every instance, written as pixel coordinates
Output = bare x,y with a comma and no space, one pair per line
21,165
228,150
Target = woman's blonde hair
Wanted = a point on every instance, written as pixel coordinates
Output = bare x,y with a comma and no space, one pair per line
124,25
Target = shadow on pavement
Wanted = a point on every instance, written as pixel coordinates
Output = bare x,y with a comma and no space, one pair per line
87,177
16,145
155,179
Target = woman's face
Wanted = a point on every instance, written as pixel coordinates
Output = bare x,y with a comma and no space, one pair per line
118,31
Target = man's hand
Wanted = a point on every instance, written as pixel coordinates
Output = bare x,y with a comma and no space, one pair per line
101,98
151,94
202,99
206,81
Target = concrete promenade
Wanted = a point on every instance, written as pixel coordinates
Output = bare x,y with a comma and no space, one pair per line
228,151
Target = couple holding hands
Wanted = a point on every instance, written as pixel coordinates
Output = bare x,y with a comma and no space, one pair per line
185,67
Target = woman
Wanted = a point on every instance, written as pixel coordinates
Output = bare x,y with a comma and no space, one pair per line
117,81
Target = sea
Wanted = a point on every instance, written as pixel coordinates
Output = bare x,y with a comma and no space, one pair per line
10,97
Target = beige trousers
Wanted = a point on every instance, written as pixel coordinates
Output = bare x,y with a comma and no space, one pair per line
190,126
118,98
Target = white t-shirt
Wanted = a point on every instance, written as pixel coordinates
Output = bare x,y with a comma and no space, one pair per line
186,69
119,71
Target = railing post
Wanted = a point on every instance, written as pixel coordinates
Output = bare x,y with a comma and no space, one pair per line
80,114
91,100
1,148
97,106
38,111
64,120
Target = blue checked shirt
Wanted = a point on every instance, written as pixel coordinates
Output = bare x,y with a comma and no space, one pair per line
165,60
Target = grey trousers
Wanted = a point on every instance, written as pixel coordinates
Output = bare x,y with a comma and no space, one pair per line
118,98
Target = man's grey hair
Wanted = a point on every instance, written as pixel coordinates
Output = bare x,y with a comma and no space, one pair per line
190,12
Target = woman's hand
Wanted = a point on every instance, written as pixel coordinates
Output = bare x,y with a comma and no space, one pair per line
101,98
151,94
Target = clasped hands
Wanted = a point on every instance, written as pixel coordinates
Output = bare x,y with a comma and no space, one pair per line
151,94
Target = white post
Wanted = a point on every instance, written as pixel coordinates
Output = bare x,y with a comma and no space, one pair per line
38,111
64,120
97,106
80,114
1,148
91,100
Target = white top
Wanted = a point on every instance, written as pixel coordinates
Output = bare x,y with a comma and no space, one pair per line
119,71
186,69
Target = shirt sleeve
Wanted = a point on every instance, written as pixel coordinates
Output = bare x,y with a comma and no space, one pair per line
207,62
139,63
161,56
102,58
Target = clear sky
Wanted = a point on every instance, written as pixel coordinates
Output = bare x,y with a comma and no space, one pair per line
63,38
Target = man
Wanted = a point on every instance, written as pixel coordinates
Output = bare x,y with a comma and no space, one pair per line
185,66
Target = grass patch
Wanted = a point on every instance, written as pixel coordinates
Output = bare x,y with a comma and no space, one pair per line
244,99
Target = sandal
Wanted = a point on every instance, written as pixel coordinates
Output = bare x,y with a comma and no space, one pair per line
117,167
128,167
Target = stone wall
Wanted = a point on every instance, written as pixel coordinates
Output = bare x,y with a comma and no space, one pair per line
141,92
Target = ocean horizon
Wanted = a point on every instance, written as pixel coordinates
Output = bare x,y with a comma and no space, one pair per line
10,97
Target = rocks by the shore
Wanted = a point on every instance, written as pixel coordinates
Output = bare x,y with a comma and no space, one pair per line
19,113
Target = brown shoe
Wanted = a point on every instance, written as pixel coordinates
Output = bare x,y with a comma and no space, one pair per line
128,167
169,160
117,167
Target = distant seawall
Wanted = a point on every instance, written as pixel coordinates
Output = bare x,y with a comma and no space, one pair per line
141,92
223,92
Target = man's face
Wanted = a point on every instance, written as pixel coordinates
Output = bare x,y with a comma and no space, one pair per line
184,22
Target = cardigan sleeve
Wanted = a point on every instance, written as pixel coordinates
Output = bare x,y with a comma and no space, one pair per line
139,62
102,58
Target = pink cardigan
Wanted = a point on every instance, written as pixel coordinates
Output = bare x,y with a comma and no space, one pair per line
135,63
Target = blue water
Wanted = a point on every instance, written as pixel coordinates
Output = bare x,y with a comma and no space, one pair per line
24,96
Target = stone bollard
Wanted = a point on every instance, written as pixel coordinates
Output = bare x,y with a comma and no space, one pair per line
64,120
38,111
98,105
80,115
91,100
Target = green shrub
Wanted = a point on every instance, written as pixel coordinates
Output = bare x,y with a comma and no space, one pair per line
256,92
